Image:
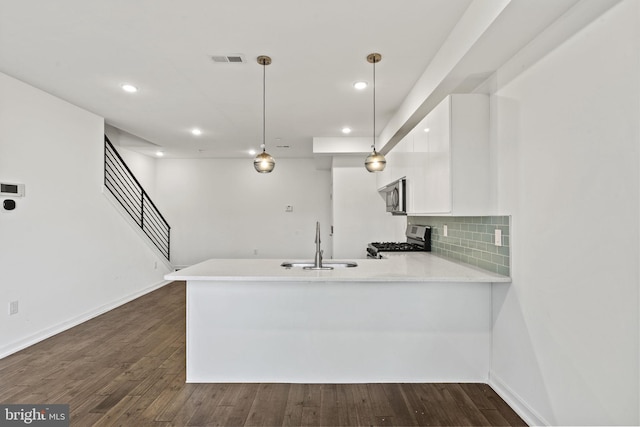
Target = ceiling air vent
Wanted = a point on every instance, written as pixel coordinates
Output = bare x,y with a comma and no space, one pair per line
235,58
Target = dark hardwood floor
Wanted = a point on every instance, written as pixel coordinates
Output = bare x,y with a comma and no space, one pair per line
127,368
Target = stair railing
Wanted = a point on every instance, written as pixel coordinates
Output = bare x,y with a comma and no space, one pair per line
124,186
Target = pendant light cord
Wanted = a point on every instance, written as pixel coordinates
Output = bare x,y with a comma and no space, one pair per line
374,105
264,104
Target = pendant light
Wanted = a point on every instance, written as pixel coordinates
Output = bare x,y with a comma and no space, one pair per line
263,162
375,162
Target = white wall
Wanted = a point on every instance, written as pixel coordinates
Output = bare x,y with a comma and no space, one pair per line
359,213
223,208
65,253
566,331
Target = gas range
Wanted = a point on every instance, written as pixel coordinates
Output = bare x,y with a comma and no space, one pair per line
418,240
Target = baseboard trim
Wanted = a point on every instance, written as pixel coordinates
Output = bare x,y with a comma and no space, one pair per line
56,329
528,414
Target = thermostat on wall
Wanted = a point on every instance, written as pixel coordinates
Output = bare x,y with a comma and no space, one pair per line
11,190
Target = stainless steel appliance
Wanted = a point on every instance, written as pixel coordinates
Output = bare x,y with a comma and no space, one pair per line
418,240
395,196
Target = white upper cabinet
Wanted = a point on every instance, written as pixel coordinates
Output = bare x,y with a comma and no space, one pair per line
448,171
384,177
399,162
401,158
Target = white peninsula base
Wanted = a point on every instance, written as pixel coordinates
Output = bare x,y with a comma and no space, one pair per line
338,332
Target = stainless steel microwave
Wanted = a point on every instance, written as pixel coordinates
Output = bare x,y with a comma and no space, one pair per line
395,196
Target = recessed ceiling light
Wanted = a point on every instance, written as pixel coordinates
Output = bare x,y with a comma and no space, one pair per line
159,153
360,85
426,129
252,152
196,131
346,130
129,88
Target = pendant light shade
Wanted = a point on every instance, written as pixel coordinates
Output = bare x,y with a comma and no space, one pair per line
375,162
263,162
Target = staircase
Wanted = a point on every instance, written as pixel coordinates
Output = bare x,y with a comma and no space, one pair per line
135,201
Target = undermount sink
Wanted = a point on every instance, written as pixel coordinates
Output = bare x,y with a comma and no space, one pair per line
309,265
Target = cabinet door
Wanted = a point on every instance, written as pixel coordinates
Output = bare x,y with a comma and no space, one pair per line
397,162
470,157
384,177
432,158
402,153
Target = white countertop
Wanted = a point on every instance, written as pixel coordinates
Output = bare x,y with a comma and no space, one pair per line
405,267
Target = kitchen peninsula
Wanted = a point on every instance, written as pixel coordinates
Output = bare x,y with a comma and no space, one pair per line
412,317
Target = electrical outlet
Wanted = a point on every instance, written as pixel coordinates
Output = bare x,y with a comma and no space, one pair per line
13,308
497,240
289,208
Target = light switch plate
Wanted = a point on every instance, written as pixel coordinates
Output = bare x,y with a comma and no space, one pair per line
498,237
445,231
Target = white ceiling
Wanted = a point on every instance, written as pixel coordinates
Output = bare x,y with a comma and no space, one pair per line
82,51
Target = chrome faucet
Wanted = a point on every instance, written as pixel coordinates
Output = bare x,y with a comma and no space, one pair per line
317,262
